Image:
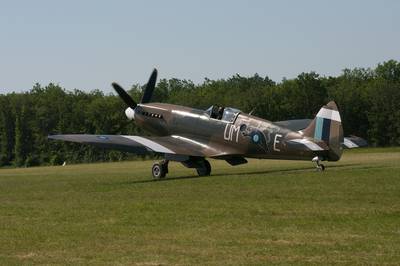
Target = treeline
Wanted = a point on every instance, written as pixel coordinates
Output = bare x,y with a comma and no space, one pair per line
369,101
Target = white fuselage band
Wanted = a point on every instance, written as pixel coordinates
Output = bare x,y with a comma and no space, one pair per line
149,144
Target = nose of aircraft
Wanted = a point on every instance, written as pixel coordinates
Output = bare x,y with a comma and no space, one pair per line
130,113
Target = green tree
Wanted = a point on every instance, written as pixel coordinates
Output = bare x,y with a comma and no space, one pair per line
384,96
20,148
6,137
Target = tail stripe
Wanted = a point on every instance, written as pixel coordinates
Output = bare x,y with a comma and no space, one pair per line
329,114
322,129
319,122
326,130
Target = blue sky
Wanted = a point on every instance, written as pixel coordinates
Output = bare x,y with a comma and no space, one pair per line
88,44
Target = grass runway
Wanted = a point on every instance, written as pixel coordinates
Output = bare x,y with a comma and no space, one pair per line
265,212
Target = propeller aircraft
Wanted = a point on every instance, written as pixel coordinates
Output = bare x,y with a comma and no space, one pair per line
189,135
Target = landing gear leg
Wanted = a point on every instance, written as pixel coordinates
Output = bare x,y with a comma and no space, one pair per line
205,170
320,166
160,170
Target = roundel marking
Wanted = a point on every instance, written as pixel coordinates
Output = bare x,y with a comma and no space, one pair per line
256,138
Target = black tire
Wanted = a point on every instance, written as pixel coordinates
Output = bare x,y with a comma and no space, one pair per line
158,171
205,170
164,165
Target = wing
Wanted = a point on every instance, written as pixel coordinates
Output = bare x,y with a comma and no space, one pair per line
178,145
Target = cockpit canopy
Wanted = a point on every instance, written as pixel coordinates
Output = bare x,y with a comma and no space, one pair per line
227,114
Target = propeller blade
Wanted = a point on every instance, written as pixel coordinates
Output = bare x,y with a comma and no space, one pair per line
124,95
151,84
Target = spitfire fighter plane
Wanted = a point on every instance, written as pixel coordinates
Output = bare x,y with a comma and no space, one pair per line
189,135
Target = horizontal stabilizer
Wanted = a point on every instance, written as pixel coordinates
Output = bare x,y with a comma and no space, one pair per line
306,145
354,142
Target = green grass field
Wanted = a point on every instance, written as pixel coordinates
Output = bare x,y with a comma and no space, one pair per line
281,212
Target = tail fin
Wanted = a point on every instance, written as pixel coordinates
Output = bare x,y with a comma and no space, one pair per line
327,126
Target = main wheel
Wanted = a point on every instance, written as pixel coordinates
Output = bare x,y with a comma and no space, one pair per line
205,170
158,171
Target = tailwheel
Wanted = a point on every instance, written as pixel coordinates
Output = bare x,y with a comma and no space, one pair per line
160,169
320,166
205,170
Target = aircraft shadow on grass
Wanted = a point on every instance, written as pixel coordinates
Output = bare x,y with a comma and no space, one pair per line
252,173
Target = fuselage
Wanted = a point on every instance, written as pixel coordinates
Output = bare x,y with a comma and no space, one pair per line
236,132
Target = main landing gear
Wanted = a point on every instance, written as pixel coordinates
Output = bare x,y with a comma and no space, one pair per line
205,169
160,169
320,166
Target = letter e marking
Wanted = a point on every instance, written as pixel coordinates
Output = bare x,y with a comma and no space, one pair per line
276,141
